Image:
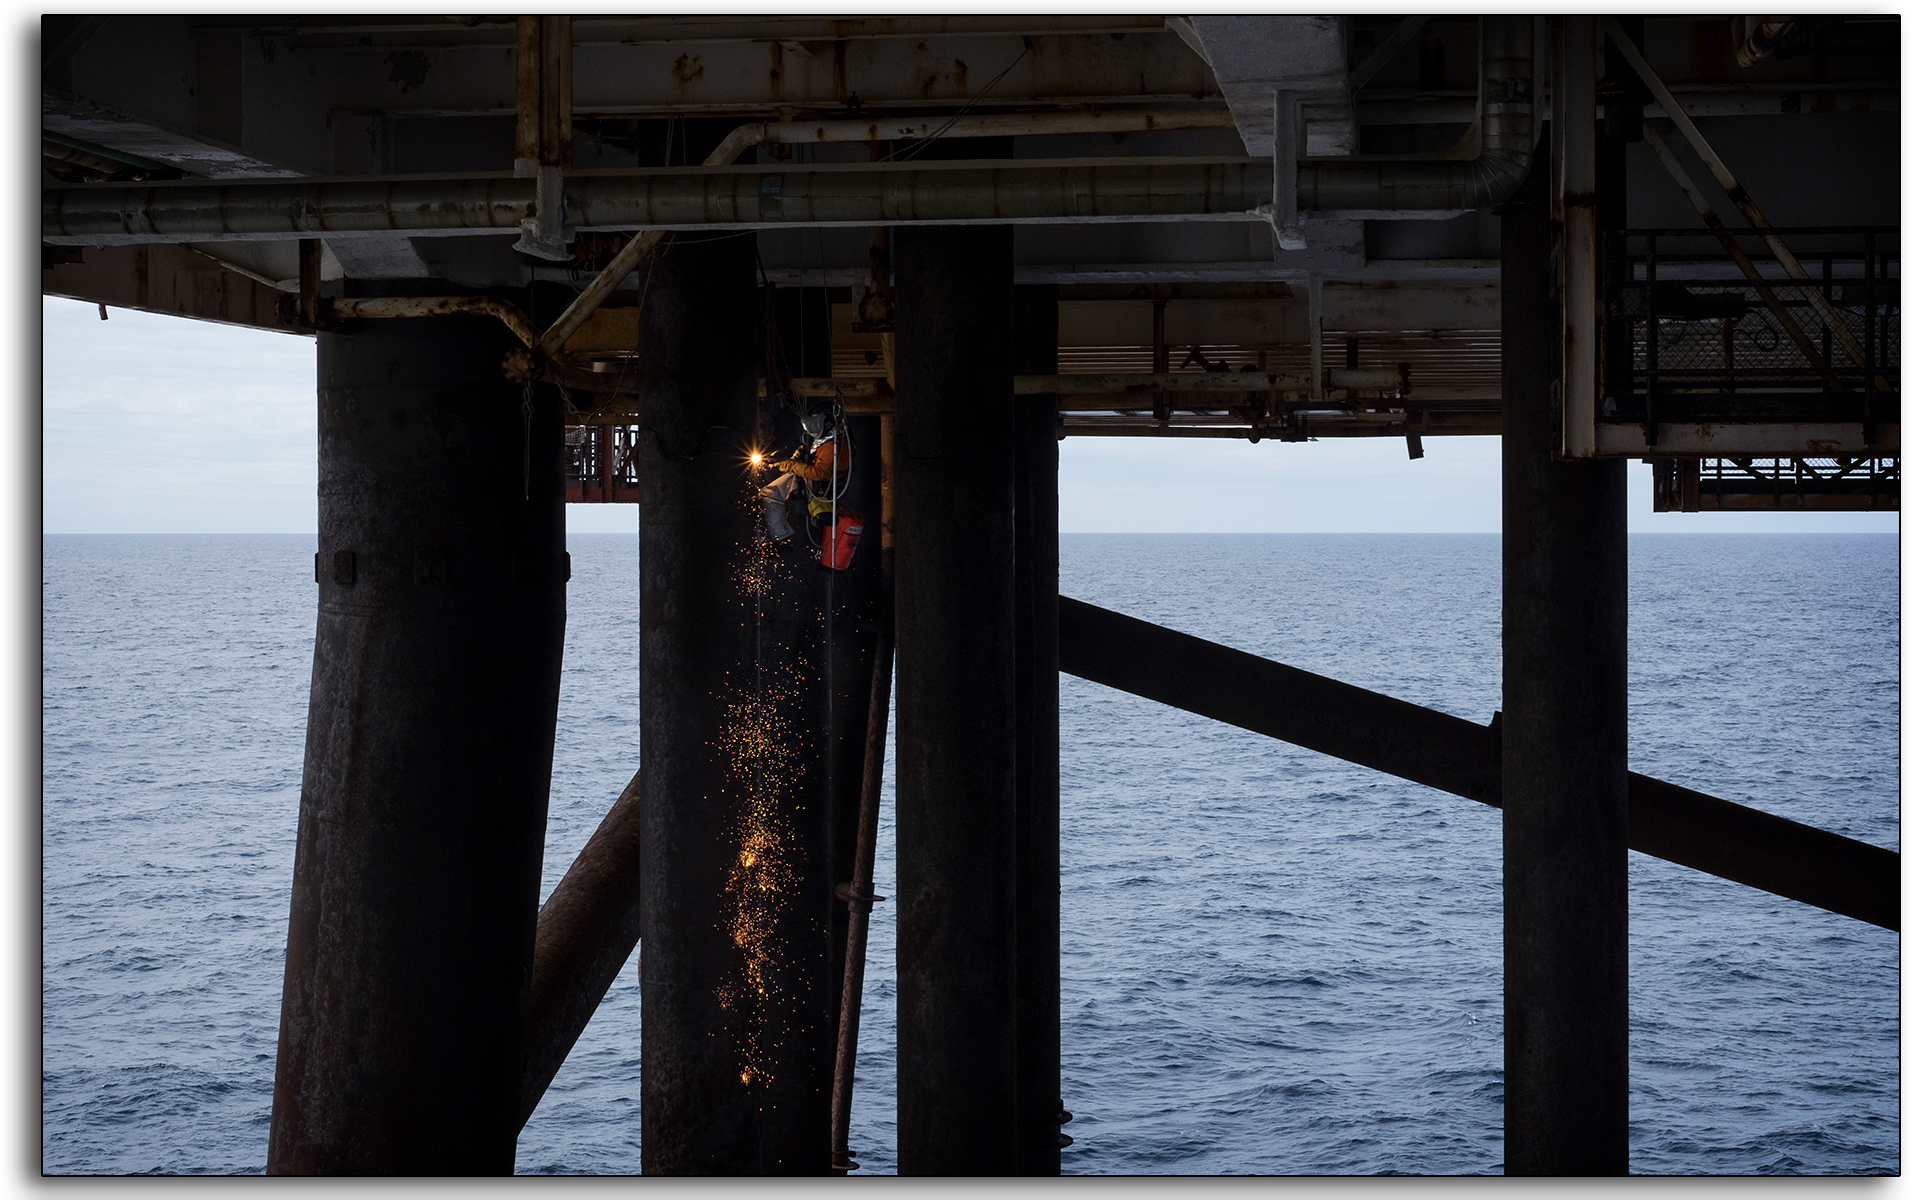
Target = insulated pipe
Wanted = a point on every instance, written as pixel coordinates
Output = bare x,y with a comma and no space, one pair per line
506,311
1071,191
899,129
1081,191
1359,186
1764,37
595,293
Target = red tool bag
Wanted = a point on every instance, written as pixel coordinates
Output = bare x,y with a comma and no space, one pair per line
838,540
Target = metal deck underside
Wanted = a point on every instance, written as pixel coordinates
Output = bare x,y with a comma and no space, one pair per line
139,108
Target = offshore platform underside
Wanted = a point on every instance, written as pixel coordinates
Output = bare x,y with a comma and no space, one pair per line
610,259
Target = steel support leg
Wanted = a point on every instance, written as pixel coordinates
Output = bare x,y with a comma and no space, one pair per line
736,1014
436,675
954,747
1564,746
1036,692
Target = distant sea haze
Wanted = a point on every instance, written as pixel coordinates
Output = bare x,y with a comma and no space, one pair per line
1272,962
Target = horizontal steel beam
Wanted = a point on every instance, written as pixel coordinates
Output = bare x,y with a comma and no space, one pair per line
1454,755
1312,426
1224,383
741,197
379,33
1220,384
1784,439
989,191
914,129
771,73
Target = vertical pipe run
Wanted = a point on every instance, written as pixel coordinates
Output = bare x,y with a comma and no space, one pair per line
735,980
954,743
556,91
527,97
436,678
1564,746
1036,691
1576,41
1316,365
1162,410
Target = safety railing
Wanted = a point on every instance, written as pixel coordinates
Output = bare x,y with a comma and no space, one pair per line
601,464
1711,327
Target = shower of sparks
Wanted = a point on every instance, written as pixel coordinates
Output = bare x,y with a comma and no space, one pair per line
761,744
756,574
757,571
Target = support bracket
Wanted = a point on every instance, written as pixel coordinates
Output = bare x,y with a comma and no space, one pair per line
1289,142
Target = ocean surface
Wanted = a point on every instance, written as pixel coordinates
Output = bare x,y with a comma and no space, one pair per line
1273,962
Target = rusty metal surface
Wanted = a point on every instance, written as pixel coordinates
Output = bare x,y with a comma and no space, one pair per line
1068,191
170,280
954,753
764,71
1564,816
673,198
1036,749
1732,841
436,676
734,1079
586,930
1064,191
882,129
506,311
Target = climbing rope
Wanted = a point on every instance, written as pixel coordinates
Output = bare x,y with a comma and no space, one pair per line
526,439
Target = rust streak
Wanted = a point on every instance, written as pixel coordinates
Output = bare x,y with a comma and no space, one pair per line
687,70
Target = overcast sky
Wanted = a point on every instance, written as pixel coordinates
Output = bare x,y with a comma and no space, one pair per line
163,425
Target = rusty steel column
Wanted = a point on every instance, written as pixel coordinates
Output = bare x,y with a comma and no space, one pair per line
735,981
1564,744
1036,692
436,674
954,745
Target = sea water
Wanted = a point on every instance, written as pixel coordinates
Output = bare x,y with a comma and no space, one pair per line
1272,961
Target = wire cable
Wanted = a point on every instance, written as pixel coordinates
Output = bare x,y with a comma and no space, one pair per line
923,143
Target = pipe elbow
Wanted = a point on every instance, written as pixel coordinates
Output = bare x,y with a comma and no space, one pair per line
742,139
1498,174
1438,185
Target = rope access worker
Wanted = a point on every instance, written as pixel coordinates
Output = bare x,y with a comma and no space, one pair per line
819,466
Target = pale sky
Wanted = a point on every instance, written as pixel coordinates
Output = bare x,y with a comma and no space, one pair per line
163,425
